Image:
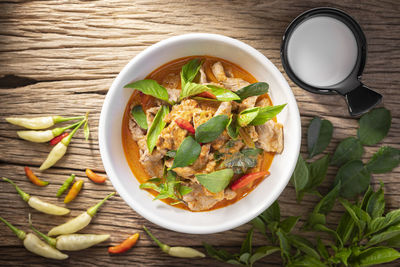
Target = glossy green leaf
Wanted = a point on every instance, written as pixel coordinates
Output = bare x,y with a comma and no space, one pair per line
386,235
307,261
288,224
184,190
322,249
374,126
232,128
254,89
246,116
262,252
343,255
190,89
317,172
156,127
223,94
259,224
219,254
139,116
325,205
216,181
187,153
345,227
323,228
150,87
319,135
380,223
211,129
376,203
377,255
300,176
272,214
385,160
303,245
354,179
347,150
267,113
284,243
189,71
247,243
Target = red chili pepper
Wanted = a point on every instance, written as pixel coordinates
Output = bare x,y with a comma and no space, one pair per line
125,245
207,94
95,177
57,139
248,178
184,124
33,178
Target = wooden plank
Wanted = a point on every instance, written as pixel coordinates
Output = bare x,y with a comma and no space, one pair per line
60,57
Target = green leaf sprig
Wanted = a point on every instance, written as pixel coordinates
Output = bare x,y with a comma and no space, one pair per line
156,127
151,87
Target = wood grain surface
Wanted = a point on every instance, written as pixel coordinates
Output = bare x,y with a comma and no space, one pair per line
60,57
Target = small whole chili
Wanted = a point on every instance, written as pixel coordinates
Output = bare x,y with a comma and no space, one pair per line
95,177
33,178
74,191
65,185
207,94
248,178
125,245
57,139
184,124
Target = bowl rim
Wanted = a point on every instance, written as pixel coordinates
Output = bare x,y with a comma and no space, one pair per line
106,158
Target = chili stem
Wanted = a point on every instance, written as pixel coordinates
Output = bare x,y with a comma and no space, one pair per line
24,195
66,140
58,119
93,210
51,241
164,247
19,233
58,131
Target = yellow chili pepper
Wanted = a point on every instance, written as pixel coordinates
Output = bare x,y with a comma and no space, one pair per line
74,191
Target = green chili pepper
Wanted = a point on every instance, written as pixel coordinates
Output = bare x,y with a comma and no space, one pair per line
35,245
180,252
65,185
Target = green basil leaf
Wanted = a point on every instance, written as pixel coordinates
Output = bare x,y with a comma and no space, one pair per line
288,224
171,153
284,244
190,89
244,258
349,149
156,127
247,115
262,252
325,205
300,177
323,228
318,136
354,179
343,255
351,209
253,89
380,223
317,171
150,186
304,245
394,241
189,71
241,161
259,224
211,129
391,232
267,113
232,128
184,190
223,94
315,218
251,152
187,153
247,243
345,227
374,126
322,249
376,204
272,214
219,254
216,181
139,116
385,160
366,197
377,255
307,260
150,87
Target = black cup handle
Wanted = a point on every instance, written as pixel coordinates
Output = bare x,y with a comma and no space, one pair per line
361,100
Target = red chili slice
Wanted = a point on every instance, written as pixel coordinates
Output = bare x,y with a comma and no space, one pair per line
57,139
184,124
247,178
207,94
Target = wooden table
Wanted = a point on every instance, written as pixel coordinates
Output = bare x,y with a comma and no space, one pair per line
60,57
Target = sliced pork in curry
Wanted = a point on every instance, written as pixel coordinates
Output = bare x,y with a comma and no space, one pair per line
202,137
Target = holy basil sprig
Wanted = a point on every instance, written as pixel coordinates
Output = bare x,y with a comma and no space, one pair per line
254,89
211,129
150,87
169,187
188,73
364,236
187,153
216,181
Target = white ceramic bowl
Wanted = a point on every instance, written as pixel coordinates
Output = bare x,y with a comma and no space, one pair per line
117,168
